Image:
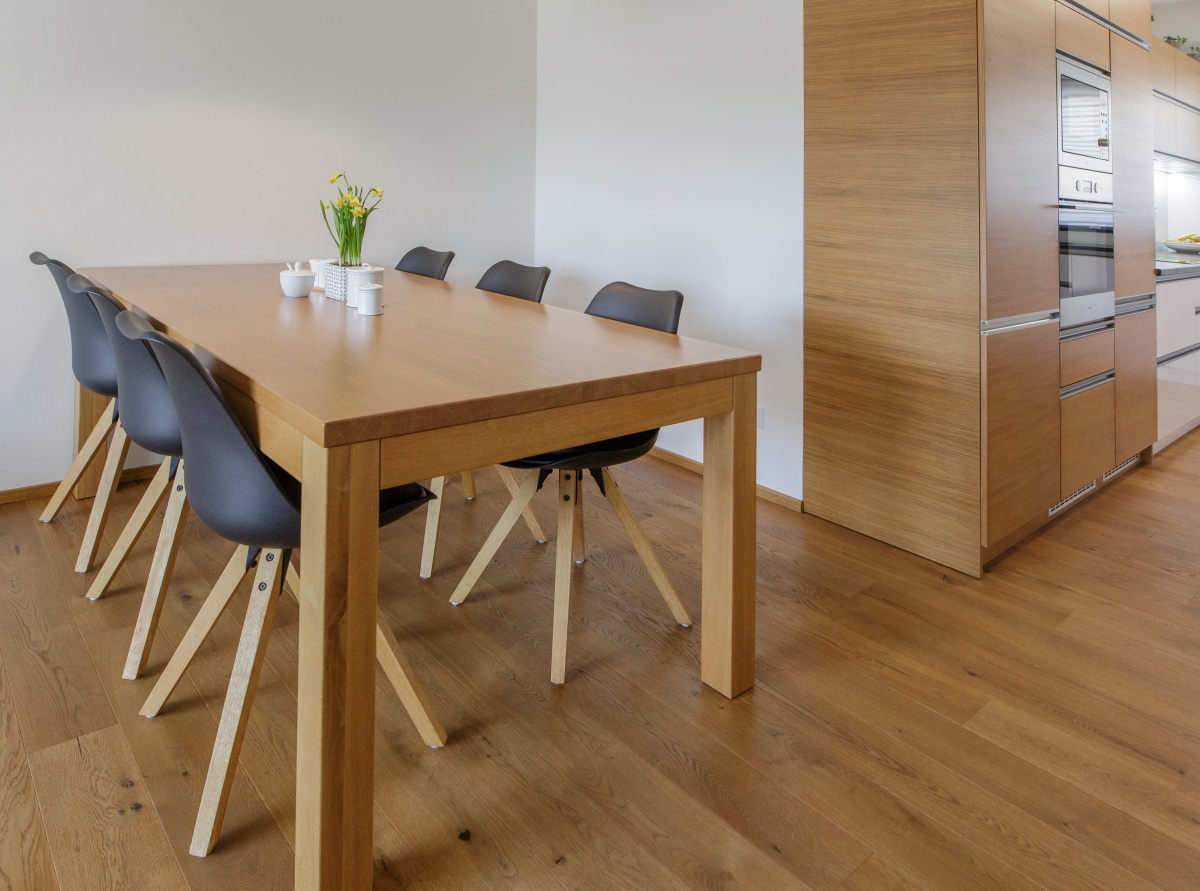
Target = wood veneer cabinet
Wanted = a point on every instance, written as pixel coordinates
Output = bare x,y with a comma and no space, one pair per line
942,145
1137,384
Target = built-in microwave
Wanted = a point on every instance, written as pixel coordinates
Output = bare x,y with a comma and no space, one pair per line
1084,118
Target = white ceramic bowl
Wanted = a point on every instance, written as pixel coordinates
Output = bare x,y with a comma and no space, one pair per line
297,283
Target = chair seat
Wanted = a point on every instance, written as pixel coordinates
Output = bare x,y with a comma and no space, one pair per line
605,453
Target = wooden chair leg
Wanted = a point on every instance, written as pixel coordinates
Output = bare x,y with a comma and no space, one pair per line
507,520
199,630
433,517
644,549
170,537
293,577
400,673
567,500
138,521
117,450
87,453
531,520
468,481
578,551
239,698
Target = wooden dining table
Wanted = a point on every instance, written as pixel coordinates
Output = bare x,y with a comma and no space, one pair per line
448,377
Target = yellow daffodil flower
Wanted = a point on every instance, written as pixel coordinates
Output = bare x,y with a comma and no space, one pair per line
377,192
336,177
358,212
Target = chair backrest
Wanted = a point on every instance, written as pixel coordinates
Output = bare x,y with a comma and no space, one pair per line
91,354
427,262
231,487
515,280
624,302
147,410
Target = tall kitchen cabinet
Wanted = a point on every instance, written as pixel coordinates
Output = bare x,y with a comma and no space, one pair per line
933,417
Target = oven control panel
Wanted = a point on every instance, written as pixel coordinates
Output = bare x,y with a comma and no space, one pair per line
1075,184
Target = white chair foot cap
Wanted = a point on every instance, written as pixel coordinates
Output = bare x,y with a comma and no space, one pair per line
682,625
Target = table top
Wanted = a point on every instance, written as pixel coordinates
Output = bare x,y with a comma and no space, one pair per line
440,354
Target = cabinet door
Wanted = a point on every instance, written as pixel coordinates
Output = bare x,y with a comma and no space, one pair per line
1020,158
1021,478
1164,125
1088,437
1187,133
1133,169
1132,15
1187,78
1079,36
1163,58
1176,315
1137,384
1178,396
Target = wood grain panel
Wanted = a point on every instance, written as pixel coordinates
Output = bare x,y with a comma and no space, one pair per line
1084,357
94,799
1079,36
1133,170
892,374
1187,77
1021,470
1020,157
433,453
1163,57
308,373
1164,125
1137,384
1132,15
1088,445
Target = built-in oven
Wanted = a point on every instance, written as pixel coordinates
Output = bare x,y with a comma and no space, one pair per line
1084,117
1085,264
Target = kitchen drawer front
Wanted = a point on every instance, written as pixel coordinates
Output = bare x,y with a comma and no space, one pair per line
1177,315
1076,34
1137,384
1021,476
1087,444
1087,356
1178,395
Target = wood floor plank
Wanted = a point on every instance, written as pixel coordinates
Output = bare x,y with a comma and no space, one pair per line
912,727
103,829
24,855
55,690
175,749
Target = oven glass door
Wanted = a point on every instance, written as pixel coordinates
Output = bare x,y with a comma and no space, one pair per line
1085,252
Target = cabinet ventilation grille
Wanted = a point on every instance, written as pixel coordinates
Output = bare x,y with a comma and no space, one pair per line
1128,462
1071,499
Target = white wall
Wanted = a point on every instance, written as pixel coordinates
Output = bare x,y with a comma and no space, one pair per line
670,155
143,132
1180,18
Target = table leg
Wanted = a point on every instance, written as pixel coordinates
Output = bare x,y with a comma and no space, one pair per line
336,716
728,561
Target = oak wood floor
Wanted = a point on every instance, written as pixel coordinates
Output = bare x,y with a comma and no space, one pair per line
911,727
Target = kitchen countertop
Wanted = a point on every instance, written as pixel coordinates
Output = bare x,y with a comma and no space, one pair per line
1171,266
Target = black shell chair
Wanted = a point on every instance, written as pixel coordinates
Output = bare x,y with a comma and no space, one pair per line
515,280
624,303
148,417
427,262
242,495
95,369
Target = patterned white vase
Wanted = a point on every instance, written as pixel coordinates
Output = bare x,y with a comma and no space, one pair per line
335,281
